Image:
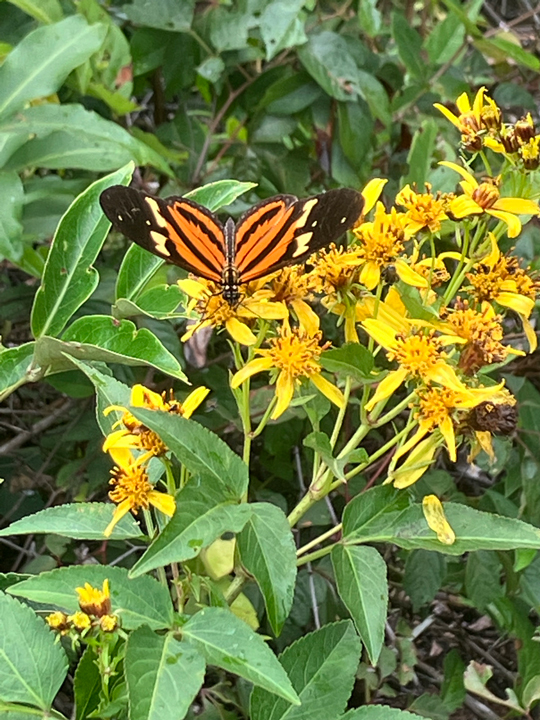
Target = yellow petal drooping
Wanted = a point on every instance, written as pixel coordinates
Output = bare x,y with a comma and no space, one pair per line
436,519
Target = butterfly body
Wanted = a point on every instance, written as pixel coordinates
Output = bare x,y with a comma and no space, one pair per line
277,232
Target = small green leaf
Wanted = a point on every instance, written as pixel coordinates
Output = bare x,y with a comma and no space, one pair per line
350,359
12,191
159,302
409,44
361,583
231,644
163,675
137,602
32,665
137,269
329,61
69,278
40,63
86,684
174,15
15,368
424,575
204,511
379,712
267,551
45,11
500,48
220,193
80,521
322,666
280,26
420,155
201,451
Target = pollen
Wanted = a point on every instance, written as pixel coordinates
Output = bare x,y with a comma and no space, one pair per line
295,353
131,484
417,353
486,194
424,210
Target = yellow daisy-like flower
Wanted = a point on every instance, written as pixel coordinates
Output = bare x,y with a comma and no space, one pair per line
479,198
80,621
436,519
132,489
424,210
58,621
418,353
529,152
474,120
94,601
293,355
215,311
292,286
499,278
108,623
134,434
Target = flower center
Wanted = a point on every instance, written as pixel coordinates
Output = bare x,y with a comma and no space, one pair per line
486,195
418,354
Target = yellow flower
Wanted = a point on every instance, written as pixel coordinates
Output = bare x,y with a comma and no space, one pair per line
436,519
499,278
371,193
215,311
473,121
132,489
58,621
80,621
485,197
291,286
94,601
529,152
108,623
424,210
134,434
292,355
419,355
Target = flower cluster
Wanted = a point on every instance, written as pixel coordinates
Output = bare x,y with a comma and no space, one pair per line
94,614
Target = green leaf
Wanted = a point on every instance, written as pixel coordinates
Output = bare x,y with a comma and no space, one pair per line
421,153
137,602
445,39
322,666
268,552
32,665
204,511
109,391
159,302
87,684
45,11
80,521
229,28
361,583
371,508
355,126
409,44
201,451
71,136
174,15
231,644
501,49
280,26
69,278
163,675
369,18
12,192
329,61
15,368
220,193
379,712
100,337
137,269
483,579
408,529
376,96
40,63
350,359
424,575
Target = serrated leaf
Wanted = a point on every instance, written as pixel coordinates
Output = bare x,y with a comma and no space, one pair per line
204,511
201,451
32,665
80,521
69,278
137,602
268,552
15,368
163,675
361,582
100,337
231,644
40,63
322,668
379,712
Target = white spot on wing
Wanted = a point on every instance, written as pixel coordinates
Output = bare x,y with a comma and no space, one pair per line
303,243
154,207
120,218
308,207
160,241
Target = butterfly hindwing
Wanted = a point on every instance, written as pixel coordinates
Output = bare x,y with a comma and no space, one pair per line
176,229
284,230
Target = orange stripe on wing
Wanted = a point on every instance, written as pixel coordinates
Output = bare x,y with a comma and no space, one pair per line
271,258
199,236
261,233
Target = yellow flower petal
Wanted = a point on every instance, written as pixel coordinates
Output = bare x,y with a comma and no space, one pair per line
284,394
372,192
464,104
370,275
530,334
142,396
387,387
513,222
240,332
193,400
118,514
518,206
408,275
193,288
448,114
417,463
307,317
263,309
380,332
350,328
116,439
252,367
436,519
447,431
446,376
464,173
411,442
463,206
164,502
328,389
518,303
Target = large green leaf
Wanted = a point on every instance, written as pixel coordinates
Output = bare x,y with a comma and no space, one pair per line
71,136
409,44
229,643
80,521
329,61
32,665
40,63
201,451
175,15
46,11
159,302
281,27
100,337
268,553
138,602
12,192
361,582
420,155
16,368
204,511
322,667
69,278
163,675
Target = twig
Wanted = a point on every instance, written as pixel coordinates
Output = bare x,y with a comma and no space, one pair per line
38,427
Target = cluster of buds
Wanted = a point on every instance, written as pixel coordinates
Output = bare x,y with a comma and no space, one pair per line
94,613
481,126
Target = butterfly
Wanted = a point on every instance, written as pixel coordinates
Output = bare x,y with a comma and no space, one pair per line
272,234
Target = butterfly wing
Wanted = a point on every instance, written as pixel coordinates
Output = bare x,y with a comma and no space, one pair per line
176,229
285,231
